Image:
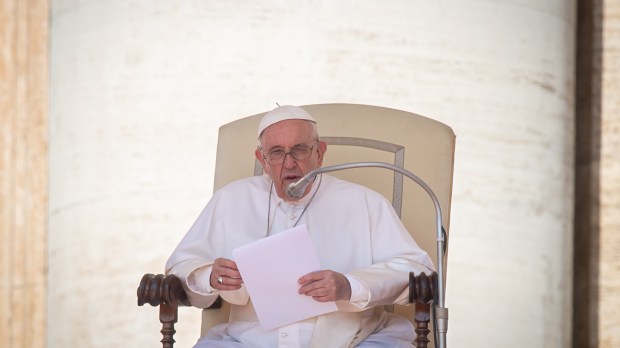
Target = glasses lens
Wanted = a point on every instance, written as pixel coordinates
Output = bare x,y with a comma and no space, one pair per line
275,156
298,153
301,152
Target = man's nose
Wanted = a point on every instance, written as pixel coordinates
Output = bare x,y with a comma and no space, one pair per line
289,161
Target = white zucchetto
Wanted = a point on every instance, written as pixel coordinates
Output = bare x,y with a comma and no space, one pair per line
281,113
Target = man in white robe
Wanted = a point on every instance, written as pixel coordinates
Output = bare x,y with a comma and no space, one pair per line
365,250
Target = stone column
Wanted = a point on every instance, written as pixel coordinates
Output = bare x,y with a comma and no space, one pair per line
23,172
597,198
609,267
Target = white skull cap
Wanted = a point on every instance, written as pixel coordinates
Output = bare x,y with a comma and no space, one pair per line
282,113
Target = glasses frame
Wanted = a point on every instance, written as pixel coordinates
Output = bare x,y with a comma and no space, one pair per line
286,153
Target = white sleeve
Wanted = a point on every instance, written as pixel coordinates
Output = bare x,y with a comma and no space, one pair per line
199,281
359,292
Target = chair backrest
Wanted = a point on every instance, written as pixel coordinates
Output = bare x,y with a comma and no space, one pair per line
363,133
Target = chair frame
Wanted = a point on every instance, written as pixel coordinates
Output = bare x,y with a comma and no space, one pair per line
166,291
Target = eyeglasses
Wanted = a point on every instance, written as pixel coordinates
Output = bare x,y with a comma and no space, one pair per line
299,153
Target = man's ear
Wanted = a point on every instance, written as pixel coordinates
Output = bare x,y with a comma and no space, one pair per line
321,149
259,156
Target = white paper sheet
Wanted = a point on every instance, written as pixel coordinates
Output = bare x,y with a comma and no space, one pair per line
270,269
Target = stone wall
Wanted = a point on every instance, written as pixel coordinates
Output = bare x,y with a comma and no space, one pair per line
23,172
139,89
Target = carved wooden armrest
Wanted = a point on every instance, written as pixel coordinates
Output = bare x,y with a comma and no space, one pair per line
158,289
166,292
421,291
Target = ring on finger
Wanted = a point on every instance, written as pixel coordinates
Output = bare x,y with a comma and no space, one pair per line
220,280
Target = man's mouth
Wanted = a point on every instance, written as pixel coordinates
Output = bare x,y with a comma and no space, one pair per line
291,177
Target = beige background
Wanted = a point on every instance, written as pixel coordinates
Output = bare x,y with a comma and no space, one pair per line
138,89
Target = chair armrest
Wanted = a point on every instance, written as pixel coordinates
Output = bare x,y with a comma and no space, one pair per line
166,292
422,287
158,289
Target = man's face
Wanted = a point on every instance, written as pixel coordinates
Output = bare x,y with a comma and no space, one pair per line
290,135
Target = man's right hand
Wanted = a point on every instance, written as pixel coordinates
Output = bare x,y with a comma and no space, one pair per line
225,275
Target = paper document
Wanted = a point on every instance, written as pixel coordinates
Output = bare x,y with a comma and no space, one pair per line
270,269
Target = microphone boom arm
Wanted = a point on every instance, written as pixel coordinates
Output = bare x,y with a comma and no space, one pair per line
296,190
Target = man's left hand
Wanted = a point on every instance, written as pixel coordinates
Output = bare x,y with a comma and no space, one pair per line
325,286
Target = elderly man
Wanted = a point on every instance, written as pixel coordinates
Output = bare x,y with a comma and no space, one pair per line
366,251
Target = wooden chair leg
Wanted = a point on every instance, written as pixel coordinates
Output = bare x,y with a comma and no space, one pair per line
422,319
168,316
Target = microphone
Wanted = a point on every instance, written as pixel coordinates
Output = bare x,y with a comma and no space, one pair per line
296,190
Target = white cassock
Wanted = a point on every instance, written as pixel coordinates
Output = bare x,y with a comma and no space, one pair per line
355,231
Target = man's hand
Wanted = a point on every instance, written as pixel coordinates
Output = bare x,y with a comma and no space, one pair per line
225,275
325,286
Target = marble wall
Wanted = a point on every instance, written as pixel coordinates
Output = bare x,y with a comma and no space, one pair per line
139,88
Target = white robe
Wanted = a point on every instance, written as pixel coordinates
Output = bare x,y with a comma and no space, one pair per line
355,230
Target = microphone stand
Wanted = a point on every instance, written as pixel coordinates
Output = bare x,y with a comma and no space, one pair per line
296,190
